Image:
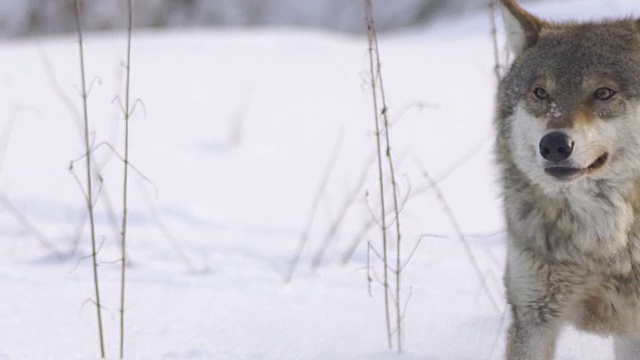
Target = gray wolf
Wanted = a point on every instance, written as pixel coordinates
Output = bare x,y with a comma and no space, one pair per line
568,153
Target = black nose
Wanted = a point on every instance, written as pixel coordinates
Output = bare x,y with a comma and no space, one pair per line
556,146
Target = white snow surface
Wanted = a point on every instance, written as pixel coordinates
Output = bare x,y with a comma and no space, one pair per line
229,142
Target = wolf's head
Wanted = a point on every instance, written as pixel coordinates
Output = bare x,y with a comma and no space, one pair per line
569,107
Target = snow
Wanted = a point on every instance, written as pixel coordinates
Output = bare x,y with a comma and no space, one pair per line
230,138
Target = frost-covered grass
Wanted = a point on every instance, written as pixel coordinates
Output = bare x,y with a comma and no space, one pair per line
238,128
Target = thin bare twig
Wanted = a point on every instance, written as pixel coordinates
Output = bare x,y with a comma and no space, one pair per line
326,174
369,279
155,217
127,114
91,301
121,158
347,203
500,326
237,120
5,134
456,165
416,104
58,90
374,88
97,164
132,108
375,54
376,253
406,303
364,229
22,219
83,258
494,38
417,245
89,180
461,236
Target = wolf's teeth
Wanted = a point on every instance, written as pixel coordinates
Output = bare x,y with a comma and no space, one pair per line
599,162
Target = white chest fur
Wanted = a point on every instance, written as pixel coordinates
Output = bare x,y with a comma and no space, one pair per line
601,218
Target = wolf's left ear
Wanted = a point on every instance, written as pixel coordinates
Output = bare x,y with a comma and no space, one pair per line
522,28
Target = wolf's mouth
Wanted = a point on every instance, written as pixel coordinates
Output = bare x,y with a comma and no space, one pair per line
568,173
598,163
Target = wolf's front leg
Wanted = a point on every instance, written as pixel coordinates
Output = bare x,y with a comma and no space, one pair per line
541,296
531,339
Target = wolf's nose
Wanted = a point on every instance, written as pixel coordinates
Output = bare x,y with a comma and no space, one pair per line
556,146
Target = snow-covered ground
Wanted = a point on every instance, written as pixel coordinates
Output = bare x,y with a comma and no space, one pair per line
232,135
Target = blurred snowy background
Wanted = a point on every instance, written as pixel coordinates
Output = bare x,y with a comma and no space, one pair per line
239,131
31,17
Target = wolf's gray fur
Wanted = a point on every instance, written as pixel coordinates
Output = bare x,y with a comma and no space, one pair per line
573,222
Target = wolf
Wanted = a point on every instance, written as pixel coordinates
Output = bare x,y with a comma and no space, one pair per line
568,152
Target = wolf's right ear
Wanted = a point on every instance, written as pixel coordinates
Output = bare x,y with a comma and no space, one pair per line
522,28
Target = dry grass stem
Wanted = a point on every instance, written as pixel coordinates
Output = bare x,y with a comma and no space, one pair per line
127,115
374,73
89,193
326,174
461,237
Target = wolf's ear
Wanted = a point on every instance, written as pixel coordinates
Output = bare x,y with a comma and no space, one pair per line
522,28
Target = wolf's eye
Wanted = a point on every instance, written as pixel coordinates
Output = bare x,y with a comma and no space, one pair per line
604,93
541,93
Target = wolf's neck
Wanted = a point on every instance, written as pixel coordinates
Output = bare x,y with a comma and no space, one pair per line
589,222
599,215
